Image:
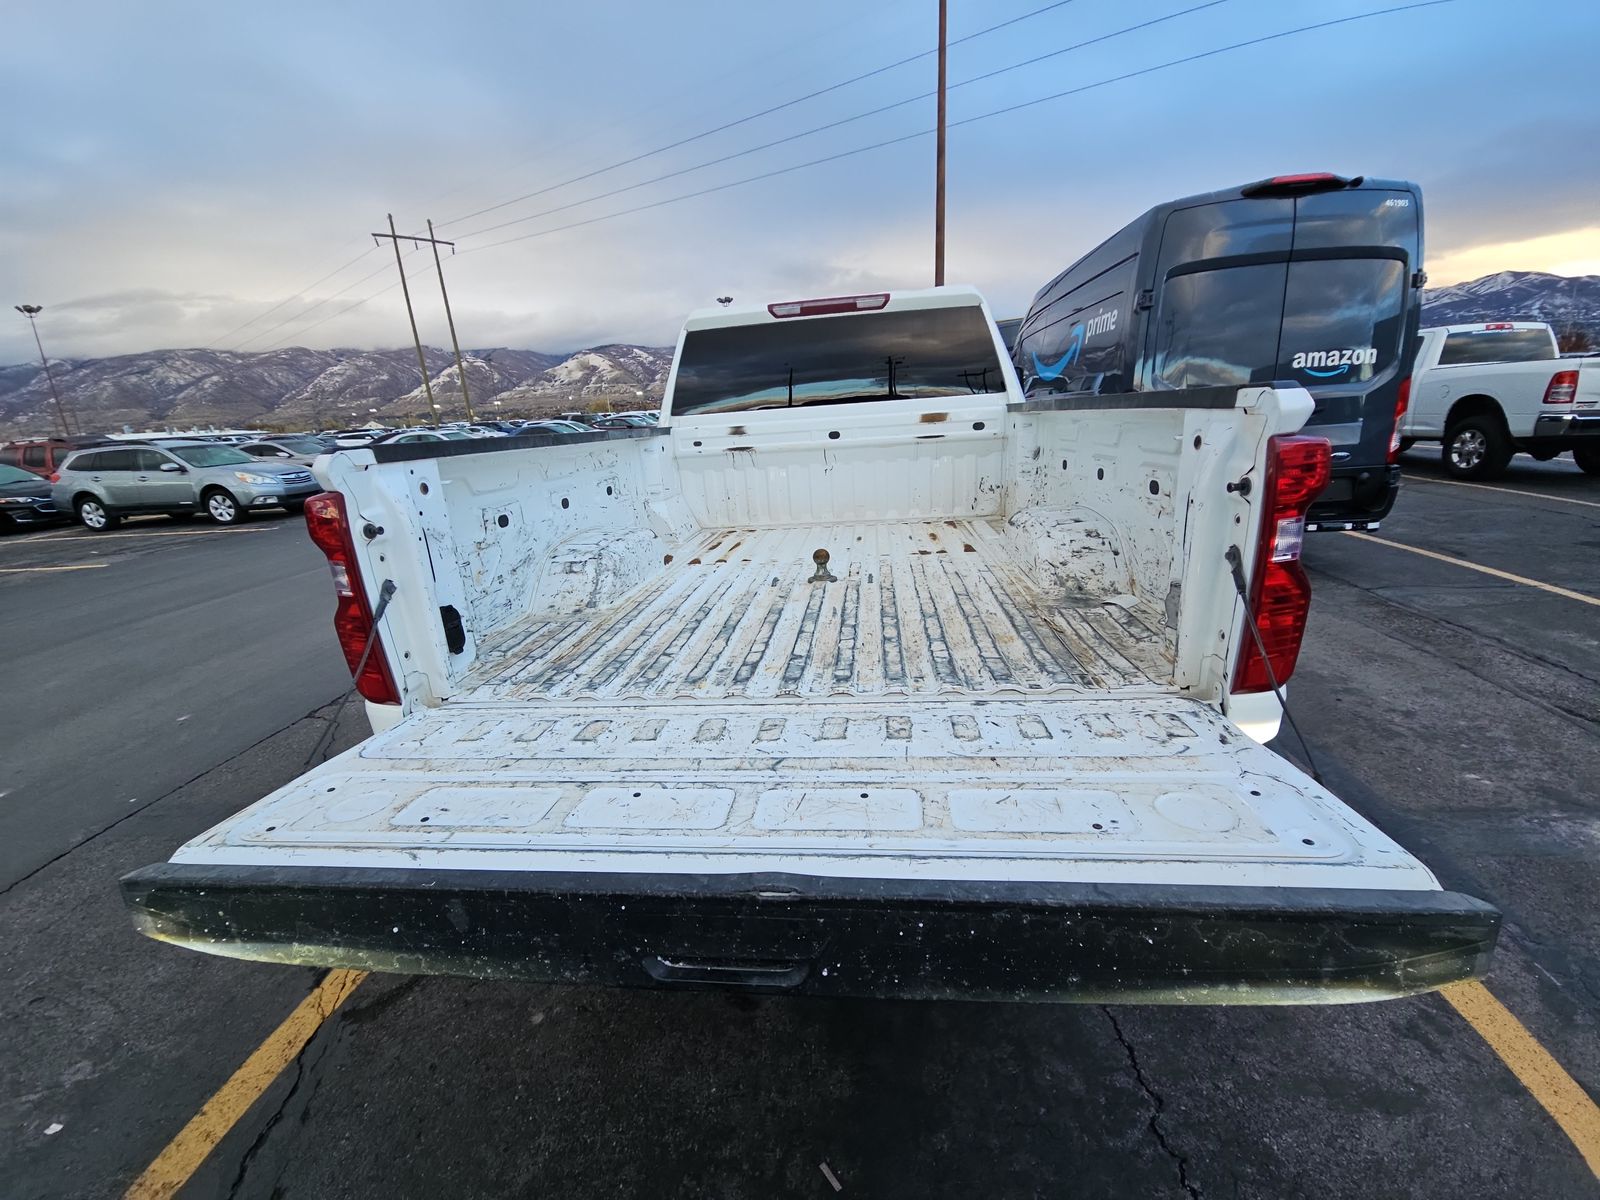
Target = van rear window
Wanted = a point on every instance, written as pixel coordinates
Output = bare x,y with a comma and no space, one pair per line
1341,320
1319,322
801,362
1219,328
1497,345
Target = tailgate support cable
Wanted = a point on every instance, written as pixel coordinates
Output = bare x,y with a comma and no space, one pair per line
1236,565
385,594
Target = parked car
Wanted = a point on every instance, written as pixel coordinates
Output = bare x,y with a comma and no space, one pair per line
25,499
408,435
1485,392
99,487
43,456
351,439
298,448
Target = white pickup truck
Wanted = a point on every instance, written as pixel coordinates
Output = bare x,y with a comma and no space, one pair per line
859,675
1487,391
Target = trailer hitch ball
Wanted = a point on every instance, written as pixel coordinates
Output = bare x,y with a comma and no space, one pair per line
821,574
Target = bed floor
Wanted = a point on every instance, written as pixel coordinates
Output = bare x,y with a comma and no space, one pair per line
926,608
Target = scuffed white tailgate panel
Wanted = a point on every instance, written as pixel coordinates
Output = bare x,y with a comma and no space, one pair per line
1131,789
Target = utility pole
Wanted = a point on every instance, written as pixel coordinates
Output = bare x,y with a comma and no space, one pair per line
461,367
31,311
938,185
415,336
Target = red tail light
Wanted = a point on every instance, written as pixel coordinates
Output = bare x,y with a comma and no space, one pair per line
352,616
1280,593
1561,389
1401,403
829,304
54,477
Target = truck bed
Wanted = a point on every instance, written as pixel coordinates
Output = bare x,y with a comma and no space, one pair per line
929,608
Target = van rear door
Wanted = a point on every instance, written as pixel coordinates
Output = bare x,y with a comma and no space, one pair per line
1348,312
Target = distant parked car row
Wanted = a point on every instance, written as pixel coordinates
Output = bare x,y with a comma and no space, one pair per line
98,481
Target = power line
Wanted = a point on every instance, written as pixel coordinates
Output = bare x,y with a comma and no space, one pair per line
871,112
745,120
744,67
410,275
1381,12
215,343
1204,54
301,315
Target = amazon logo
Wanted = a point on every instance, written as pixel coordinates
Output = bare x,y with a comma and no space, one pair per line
1330,364
1101,322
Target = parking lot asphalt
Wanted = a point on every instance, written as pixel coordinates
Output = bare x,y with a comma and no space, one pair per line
1458,710
143,657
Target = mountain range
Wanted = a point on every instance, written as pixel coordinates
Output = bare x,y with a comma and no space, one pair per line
1569,303
298,388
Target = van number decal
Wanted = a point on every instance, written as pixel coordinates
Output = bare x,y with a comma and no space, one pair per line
1329,363
1398,202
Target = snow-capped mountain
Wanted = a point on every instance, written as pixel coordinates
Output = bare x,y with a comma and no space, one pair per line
1561,300
295,387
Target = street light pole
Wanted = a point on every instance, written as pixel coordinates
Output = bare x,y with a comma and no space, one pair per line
31,311
938,185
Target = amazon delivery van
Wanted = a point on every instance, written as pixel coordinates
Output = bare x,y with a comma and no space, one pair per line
1310,279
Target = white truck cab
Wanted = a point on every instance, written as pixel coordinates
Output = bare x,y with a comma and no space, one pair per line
1488,391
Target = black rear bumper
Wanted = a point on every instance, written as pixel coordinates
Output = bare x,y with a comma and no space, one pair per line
925,939
1355,498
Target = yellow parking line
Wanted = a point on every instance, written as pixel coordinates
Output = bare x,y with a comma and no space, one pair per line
1484,487
195,1141
1558,1093
1472,566
25,570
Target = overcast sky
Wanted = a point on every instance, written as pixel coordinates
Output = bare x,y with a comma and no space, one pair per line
171,171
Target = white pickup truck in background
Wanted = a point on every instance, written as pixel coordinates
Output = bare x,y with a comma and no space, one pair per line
1488,391
862,674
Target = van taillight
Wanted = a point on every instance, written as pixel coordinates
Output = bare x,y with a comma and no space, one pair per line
54,477
352,615
1280,593
1562,388
1294,185
1401,403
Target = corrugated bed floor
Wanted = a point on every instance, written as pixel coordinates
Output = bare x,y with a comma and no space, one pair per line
917,608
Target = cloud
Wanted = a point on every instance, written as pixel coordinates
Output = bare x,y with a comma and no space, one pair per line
184,170
1572,252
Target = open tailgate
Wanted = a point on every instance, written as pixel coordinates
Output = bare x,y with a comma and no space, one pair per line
1062,849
